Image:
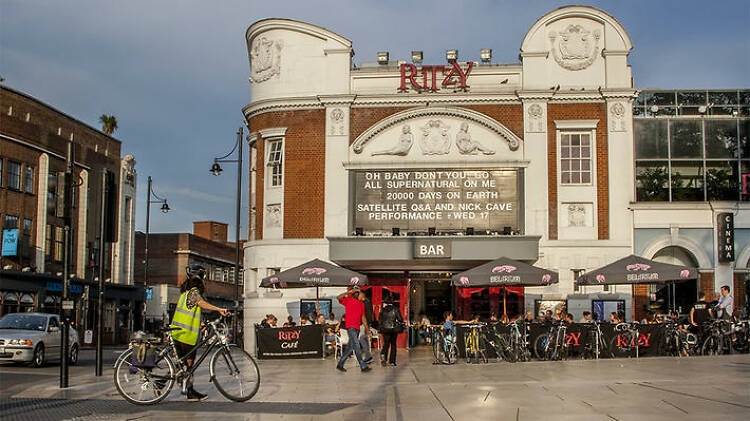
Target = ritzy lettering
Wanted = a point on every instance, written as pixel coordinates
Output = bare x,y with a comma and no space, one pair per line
288,335
425,78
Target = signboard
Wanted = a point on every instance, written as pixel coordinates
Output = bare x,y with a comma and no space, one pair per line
10,242
417,200
725,231
67,305
307,306
290,342
432,249
88,337
57,287
149,293
426,78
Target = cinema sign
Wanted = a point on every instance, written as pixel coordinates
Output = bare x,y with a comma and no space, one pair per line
425,78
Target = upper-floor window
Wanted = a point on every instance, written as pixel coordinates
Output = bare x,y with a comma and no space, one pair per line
275,158
14,175
1,171
59,243
575,158
28,179
11,222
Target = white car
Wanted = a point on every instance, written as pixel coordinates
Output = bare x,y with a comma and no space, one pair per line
34,338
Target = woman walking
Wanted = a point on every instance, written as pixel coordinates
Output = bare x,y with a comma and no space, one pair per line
391,324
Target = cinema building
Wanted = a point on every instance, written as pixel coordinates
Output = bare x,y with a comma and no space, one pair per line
410,172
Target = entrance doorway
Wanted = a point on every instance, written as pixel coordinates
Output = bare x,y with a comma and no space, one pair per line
685,293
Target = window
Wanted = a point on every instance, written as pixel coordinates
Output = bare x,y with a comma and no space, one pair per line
576,274
1,171
26,242
575,158
11,222
14,175
275,156
28,179
48,241
59,241
51,194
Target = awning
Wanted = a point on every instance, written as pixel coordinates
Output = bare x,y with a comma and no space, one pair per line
637,270
505,272
315,273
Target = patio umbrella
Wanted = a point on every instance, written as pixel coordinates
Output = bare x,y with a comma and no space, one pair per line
505,272
315,273
638,270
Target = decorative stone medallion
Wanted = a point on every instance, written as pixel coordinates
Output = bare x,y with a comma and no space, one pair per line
576,47
265,59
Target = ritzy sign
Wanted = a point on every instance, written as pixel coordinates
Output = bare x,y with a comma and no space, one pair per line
425,78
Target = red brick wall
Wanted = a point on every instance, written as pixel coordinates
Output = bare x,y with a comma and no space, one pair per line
211,230
706,284
509,115
304,171
585,111
361,119
739,291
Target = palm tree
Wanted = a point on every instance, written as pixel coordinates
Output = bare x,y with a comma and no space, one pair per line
109,123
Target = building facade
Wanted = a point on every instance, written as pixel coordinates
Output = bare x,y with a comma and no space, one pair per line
170,254
410,172
33,147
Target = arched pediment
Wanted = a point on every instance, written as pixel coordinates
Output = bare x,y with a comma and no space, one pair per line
437,131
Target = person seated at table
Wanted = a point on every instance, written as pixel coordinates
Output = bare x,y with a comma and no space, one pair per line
614,318
290,322
529,317
331,319
648,319
304,320
313,317
586,317
321,320
269,321
493,319
548,316
568,317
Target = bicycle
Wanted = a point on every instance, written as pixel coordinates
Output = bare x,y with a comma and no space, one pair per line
553,345
472,343
148,379
499,343
678,342
718,340
741,337
444,347
626,339
598,345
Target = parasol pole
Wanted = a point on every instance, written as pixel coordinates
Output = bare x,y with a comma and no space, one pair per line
317,299
505,312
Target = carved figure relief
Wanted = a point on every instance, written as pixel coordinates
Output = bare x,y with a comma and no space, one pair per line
467,146
265,59
337,122
403,146
435,139
617,114
128,169
536,121
273,213
576,47
578,214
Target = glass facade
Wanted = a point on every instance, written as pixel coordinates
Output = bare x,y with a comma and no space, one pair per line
691,145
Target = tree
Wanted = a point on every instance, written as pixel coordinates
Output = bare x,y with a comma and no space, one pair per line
109,123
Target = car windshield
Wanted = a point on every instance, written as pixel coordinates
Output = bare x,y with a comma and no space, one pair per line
23,321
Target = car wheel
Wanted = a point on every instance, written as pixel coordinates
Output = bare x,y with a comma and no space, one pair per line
38,359
73,357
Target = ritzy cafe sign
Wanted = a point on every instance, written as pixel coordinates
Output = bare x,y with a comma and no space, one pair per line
425,78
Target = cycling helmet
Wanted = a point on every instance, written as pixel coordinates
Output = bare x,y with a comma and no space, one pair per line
195,269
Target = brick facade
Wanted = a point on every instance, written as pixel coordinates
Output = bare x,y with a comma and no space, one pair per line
29,128
584,111
304,175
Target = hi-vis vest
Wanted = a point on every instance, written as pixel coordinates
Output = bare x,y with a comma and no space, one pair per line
189,321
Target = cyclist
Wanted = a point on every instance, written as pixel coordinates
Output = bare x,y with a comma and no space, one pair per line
187,320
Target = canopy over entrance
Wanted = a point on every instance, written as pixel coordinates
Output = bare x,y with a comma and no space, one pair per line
505,272
637,270
315,273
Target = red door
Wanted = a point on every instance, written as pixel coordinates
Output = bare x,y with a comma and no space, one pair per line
399,294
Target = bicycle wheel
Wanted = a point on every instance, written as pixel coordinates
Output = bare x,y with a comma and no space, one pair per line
451,356
510,353
234,373
437,348
710,346
143,386
540,346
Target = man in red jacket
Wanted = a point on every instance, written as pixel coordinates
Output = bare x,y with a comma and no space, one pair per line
355,315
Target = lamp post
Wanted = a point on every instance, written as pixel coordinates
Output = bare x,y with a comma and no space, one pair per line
165,209
216,170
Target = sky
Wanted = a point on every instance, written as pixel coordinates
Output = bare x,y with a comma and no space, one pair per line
175,73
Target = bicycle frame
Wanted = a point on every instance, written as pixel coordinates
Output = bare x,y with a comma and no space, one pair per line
216,343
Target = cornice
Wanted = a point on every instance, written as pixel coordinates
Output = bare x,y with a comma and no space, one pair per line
336,99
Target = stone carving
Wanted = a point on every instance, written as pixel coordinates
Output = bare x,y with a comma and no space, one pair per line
435,139
617,122
576,47
467,146
128,169
403,146
337,122
273,212
578,214
265,59
536,121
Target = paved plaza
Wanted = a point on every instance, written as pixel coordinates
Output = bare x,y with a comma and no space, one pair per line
661,388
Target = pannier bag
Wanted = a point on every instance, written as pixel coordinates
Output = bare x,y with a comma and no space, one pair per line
144,356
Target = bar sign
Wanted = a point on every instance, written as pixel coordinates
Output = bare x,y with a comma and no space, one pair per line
725,243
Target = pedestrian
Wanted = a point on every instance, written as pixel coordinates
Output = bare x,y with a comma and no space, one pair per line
699,314
354,310
725,307
391,324
364,334
187,322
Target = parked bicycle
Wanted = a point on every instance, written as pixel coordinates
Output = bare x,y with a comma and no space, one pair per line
147,371
679,342
718,339
597,347
444,346
473,344
741,337
500,343
554,345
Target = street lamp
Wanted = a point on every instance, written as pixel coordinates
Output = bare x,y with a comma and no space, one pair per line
164,208
216,170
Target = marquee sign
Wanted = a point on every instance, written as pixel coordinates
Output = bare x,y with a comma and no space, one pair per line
425,78
443,199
